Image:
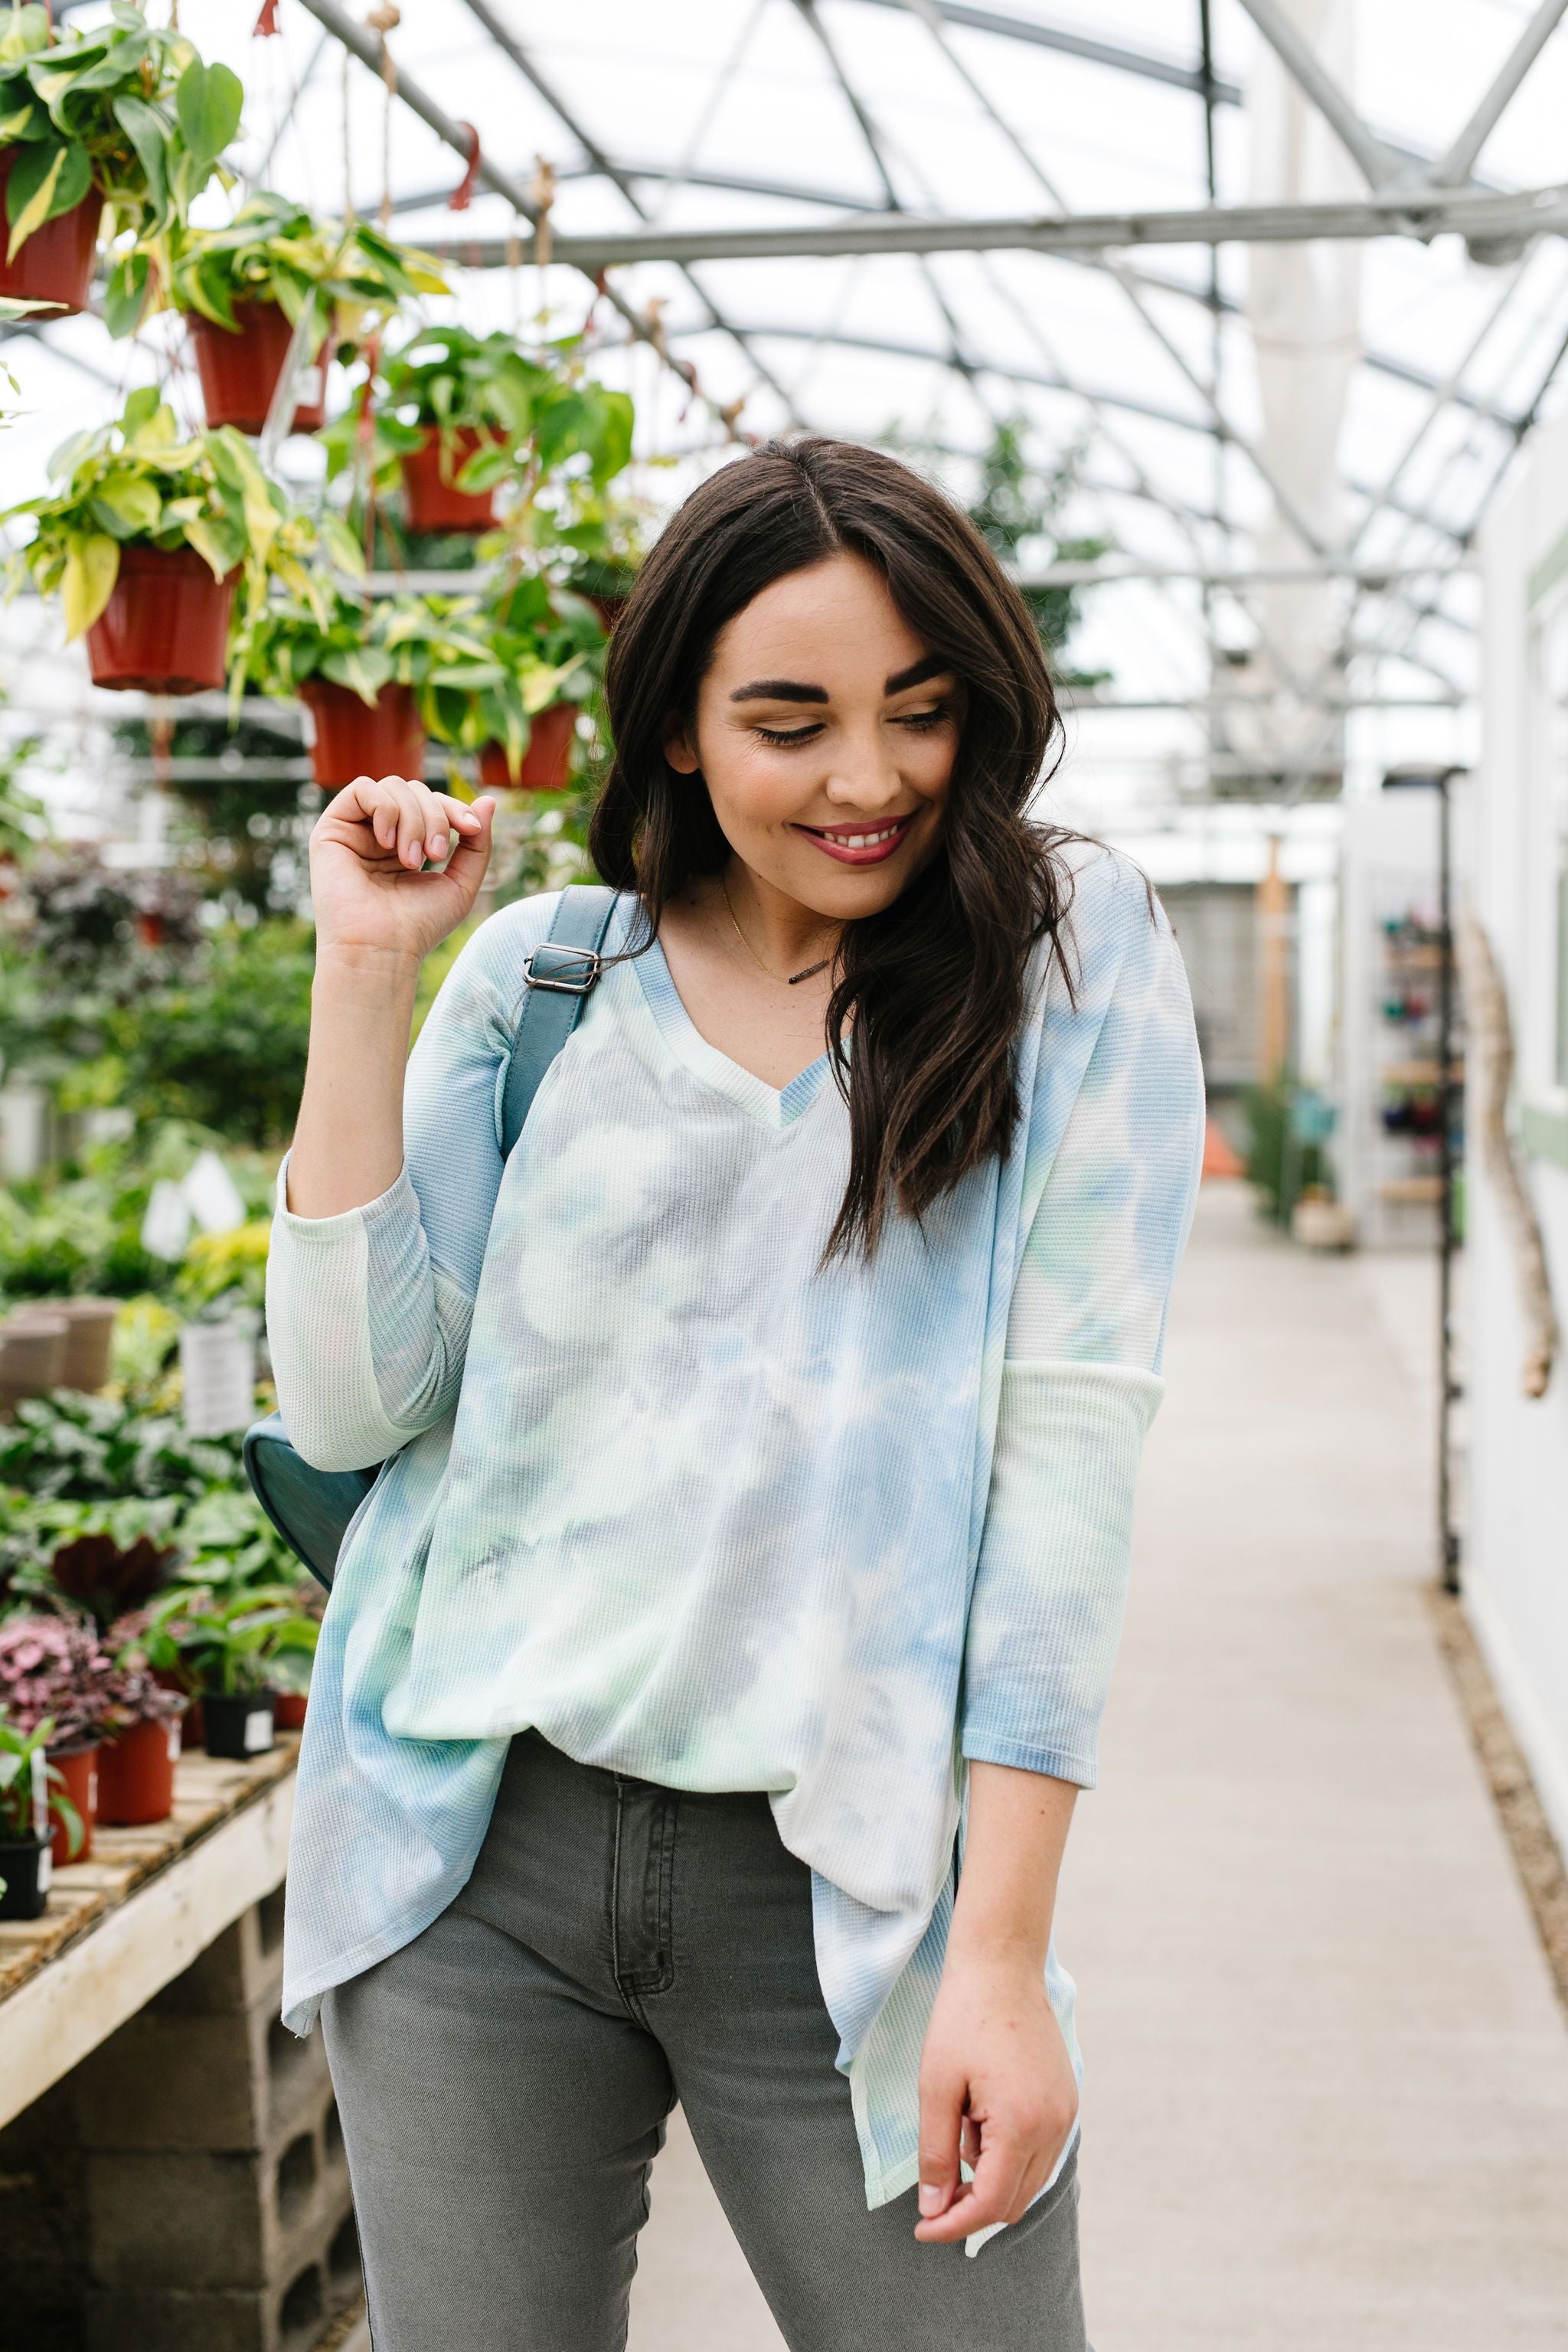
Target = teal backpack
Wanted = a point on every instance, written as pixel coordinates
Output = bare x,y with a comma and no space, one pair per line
312,1508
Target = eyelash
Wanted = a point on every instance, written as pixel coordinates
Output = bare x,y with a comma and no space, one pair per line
922,721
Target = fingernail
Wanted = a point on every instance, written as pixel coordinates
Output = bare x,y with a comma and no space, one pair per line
930,2199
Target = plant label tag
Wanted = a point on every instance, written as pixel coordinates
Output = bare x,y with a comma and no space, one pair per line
45,1869
40,1768
218,1372
258,1730
175,1741
307,388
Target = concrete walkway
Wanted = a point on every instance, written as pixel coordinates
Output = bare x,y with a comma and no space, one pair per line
1328,2077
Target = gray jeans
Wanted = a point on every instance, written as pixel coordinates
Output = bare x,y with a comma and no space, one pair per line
504,2081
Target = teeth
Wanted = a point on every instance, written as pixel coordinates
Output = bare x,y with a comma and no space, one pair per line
863,840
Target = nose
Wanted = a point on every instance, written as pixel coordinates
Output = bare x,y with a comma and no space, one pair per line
864,776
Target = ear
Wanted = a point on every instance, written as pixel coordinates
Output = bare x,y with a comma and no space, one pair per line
680,749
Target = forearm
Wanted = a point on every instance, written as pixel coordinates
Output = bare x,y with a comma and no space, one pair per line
1017,1831
348,1142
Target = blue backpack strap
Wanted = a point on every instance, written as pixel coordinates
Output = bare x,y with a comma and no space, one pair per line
559,972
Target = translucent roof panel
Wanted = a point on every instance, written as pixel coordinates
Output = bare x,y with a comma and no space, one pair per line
1135,363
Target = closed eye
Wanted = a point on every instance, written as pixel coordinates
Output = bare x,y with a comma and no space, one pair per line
789,734
922,719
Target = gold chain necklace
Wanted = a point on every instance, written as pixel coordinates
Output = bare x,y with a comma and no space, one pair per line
790,980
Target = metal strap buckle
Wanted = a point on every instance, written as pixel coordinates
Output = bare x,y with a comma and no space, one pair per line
587,959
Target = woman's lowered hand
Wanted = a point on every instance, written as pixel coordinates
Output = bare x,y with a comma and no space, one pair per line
996,2088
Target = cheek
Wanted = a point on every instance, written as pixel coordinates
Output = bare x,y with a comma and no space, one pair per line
757,784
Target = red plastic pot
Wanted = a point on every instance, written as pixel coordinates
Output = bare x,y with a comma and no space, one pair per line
435,504
56,263
78,1768
239,371
136,1774
353,739
547,762
165,625
288,1710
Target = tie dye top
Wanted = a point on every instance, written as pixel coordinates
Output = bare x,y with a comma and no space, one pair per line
702,1511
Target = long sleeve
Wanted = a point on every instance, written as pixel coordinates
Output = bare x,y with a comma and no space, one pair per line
368,1312
1080,1382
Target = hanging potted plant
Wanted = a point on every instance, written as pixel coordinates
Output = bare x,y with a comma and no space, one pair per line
453,406
55,1672
374,673
548,650
246,289
149,540
31,1788
225,1649
125,115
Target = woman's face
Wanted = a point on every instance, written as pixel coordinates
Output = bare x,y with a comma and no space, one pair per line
825,735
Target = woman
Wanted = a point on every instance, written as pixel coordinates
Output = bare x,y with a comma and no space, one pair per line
763,1436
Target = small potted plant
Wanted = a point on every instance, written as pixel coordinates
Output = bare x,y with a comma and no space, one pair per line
31,1789
548,649
141,1736
224,1648
58,1672
245,289
106,1559
124,115
375,675
148,539
453,407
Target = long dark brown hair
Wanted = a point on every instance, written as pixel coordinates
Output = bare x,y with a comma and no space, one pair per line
934,985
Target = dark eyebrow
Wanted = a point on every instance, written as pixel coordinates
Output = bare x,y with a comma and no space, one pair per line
929,665
779,689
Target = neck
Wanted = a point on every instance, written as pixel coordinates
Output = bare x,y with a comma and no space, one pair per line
783,934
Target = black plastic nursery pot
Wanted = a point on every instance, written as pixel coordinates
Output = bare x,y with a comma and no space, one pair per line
239,1724
26,1866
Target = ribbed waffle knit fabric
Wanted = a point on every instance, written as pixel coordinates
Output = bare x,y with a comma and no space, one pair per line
701,1510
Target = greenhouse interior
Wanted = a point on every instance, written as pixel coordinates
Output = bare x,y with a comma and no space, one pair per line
356,360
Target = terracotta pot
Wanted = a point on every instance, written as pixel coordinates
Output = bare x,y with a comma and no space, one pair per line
239,1724
239,371
33,1346
78,1768
435,505
136,1774
25,1864
288,1709
56,263
166,626
88,1340
352,739
547,762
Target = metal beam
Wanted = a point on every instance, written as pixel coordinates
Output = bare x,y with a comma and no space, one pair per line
1454,168
1146,63
512,50
1378,163
367,48
1105,569
1409,212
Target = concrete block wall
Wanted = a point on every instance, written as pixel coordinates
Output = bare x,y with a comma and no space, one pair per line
215,2189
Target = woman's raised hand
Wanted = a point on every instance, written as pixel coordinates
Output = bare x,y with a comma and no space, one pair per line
371,887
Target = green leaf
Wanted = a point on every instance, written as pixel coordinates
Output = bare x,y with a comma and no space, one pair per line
484,468
148,131
125,294
366,669
141,407
23,122
92,567
220,545
207,102
39,188
132,499
236,462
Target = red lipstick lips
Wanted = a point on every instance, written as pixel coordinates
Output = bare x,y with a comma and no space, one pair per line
859,844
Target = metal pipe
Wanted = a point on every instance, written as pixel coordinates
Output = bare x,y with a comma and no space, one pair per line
1306,68
1411,213
1454,168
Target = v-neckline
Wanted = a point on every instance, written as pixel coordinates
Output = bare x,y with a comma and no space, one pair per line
774,1106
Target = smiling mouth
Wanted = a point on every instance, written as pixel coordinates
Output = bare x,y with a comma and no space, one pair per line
859,844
